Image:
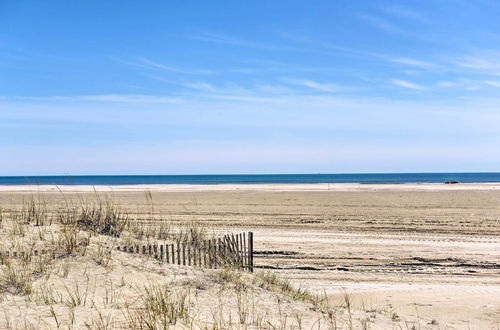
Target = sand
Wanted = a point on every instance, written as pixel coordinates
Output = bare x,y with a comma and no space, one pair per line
254,187
426,252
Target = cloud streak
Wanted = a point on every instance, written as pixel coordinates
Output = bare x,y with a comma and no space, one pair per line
146,63
406,84
314,85
231,41
111,98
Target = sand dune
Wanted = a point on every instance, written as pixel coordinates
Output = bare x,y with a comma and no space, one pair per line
428,254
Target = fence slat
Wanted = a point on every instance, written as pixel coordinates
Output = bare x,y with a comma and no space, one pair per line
209,254
194,255
204,255
221,252
245,259
184,254
240,250
200,256
250,251
178,252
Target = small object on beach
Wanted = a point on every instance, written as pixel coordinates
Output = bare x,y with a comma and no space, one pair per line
451,182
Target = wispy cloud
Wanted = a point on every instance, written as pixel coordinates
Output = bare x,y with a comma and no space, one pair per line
360,53
171,68
150,64
115,98
229,40
467,84
492,83
322,87
405,13
486,64
413,62
447,84
406,84
199,86
381,23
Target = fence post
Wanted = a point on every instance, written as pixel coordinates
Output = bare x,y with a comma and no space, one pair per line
199,255
184,254
250,251
245,255
178,252
237,249
204,247
221,250
240,254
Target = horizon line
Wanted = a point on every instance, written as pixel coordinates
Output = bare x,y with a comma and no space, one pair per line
247,174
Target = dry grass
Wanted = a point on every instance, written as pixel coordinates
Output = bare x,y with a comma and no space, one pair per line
270,281
159,308
16,279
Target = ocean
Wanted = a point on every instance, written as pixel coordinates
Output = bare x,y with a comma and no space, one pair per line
252,178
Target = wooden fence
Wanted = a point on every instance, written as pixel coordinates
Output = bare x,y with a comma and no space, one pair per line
234,250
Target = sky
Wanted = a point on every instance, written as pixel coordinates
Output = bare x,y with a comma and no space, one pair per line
208,87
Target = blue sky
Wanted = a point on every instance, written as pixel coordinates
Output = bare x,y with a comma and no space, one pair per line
170,87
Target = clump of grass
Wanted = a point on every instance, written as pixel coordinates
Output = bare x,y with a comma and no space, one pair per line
160,308
41,264
104,218
76,297
242,307
68,239
270,281
46,295
231,275
18,228
101,217
194,233
36,212
101,322
33,210
347,301
102,256
16,279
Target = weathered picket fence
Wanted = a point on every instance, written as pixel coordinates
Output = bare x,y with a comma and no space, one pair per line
234,250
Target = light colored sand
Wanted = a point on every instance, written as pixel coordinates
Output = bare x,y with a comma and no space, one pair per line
427,252
253,187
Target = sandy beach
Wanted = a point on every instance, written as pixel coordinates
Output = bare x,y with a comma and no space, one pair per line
253,187
424,251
